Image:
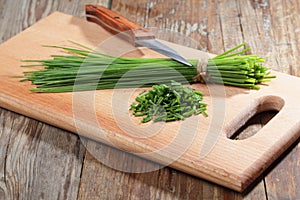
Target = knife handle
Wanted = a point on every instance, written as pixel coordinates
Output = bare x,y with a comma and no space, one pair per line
116,24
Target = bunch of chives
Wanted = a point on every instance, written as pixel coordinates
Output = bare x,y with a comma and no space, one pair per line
237,69
85,69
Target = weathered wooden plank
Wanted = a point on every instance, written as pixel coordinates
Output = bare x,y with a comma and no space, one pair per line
17,15
37,161
284,24
214,29
186,18
283,181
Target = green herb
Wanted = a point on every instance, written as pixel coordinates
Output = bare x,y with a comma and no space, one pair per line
168,103
85,69
236,69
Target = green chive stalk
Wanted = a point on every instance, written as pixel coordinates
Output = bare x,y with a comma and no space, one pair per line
85,69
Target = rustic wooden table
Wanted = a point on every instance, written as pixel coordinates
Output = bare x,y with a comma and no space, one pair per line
39,161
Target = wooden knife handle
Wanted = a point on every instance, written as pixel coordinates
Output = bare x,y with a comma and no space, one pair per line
116,24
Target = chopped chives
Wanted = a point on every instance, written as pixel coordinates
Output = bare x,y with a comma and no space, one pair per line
176,102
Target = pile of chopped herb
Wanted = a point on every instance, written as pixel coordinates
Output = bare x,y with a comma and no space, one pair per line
168,103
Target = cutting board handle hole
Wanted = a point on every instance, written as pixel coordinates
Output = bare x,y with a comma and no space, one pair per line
262,111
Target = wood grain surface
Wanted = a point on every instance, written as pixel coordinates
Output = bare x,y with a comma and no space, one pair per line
277,24
198,145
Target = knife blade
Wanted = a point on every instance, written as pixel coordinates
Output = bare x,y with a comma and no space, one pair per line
134,33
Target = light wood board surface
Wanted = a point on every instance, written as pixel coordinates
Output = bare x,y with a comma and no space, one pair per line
234,164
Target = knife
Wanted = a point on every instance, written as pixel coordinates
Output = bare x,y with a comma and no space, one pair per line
129,30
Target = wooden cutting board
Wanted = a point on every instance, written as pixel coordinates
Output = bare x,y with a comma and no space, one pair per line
200,146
